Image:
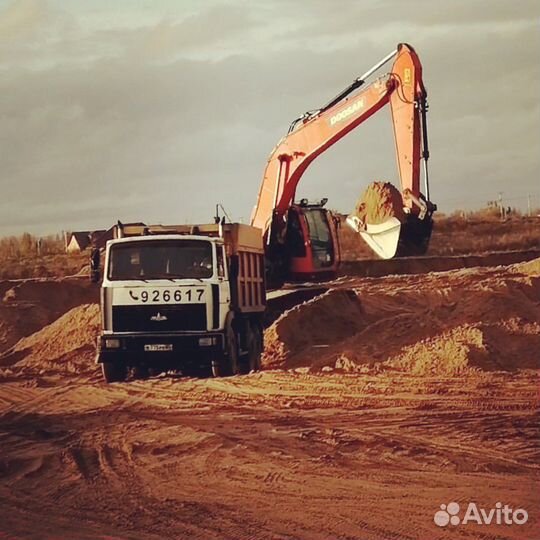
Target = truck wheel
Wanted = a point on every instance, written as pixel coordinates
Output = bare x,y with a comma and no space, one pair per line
252,362
114,372
229,363
220,367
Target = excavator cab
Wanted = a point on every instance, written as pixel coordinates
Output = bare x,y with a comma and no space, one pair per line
312,241
303,246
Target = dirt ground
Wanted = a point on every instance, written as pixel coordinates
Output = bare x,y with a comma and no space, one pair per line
380,400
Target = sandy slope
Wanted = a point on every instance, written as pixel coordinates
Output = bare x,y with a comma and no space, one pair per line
382,399
28,305
441,323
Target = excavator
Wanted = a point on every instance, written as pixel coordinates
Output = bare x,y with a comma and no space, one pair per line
301,238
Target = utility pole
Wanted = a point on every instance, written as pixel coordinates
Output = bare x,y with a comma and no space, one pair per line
529,204
501,204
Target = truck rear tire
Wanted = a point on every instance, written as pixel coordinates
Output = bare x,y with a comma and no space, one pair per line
113,372
229,363
254,342
255,359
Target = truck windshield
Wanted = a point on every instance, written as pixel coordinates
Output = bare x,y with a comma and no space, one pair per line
161,259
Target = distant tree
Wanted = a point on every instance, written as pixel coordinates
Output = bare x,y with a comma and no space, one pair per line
26,246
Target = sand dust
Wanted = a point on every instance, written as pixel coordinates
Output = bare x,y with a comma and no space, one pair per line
380,202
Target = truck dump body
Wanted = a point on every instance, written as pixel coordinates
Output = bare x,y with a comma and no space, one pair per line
246,251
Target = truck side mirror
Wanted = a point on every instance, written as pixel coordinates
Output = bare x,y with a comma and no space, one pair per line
95,270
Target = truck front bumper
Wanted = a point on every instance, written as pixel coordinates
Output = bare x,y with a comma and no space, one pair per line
149,348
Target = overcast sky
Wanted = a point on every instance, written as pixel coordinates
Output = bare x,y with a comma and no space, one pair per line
155,110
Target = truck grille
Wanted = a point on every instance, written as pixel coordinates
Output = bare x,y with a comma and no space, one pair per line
162,318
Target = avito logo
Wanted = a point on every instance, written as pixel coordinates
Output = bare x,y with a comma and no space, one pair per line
500,515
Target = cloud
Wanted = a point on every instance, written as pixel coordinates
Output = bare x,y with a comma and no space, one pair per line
160,116
22,19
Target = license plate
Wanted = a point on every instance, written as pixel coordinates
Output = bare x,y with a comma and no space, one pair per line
158,347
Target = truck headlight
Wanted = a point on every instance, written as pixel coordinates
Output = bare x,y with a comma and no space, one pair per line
207,341
112,343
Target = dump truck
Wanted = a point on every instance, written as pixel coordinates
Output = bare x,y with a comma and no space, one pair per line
189,298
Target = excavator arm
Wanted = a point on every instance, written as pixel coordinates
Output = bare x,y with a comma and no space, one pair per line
316,131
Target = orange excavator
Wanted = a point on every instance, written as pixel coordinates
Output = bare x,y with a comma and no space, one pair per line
301,238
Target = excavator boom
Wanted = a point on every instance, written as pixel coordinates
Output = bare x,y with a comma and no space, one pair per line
317,131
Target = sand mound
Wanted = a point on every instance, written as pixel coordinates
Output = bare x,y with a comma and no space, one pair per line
333,316
507,346
19,321
380,202
459,322
530,268
65,346
27,306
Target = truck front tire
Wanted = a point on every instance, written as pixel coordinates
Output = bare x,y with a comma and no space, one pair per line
114,372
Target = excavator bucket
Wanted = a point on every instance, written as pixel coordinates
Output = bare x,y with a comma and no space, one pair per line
393,238
392,223
383,238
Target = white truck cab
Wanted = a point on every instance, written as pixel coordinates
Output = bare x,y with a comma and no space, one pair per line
187,298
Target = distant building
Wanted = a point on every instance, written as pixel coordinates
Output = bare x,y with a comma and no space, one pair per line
78,241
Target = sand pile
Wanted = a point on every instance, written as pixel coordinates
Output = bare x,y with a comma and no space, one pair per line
27,306
507,346
335,315
457,322
530,268
65,346
19,321
380,202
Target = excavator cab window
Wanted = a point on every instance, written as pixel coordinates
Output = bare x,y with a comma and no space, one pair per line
320,237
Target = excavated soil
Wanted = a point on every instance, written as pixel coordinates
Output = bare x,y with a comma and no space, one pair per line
379,202
380,400
440,323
